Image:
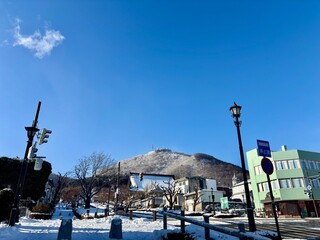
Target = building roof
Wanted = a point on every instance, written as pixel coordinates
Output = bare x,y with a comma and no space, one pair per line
149,181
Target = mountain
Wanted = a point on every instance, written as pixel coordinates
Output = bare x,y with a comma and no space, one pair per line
165,161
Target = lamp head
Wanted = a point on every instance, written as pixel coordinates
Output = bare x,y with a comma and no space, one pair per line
235,110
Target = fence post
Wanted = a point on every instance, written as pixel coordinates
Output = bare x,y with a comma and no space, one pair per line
164,218
183,225
206,230
65,230
241,227
154,215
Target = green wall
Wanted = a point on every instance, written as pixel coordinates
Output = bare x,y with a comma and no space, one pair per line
287,193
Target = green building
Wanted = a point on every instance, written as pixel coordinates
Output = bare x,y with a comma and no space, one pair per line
294,181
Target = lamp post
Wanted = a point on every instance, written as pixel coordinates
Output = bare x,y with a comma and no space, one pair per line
235,110
31,131
213,201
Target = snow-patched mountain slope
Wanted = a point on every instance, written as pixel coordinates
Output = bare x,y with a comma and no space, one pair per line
165,161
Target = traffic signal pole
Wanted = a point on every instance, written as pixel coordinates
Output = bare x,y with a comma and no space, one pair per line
117,190
23,172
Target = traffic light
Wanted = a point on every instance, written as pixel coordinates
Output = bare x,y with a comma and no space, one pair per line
308,192
38,164
140,176
32,152
44,134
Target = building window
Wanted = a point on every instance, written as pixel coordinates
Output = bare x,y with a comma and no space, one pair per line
258,170
303,164
265,187
275,184
297,182
297,163
285,183
315,183
306,182
284,164
281,165
293,164
260,187
318,165
312,165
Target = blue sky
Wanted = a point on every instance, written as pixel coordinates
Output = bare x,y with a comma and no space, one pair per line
124,77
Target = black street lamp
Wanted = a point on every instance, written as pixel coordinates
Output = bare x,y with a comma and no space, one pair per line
235,110
213,201
31,132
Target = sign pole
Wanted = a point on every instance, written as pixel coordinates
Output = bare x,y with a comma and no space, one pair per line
267,167
273,207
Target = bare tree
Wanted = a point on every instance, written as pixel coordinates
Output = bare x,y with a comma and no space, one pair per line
129,197
170,192
70,194
60,184
152,191
89,175
196,198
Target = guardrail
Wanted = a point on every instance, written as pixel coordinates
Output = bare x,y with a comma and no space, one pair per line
241,234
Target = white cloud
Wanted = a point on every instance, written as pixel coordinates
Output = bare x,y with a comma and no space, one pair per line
42,45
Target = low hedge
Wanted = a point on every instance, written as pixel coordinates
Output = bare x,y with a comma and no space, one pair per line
41,211
44,216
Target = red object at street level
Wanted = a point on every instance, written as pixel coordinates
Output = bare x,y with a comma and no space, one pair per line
267,165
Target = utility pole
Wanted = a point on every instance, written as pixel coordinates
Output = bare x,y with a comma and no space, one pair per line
117,190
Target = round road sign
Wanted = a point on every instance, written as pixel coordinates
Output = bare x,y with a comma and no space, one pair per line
267,165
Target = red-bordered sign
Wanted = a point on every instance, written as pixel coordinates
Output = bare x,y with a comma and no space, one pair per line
267,165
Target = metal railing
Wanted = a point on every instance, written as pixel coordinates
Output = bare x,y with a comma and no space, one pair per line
240,233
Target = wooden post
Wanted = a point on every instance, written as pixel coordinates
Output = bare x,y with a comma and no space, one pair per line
154,216
183,225
206,230
241,227
106,212
164,218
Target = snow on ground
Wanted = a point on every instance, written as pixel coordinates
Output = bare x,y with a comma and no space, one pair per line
98,228
30,229
95,229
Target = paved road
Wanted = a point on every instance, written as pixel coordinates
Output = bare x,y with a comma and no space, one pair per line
289,228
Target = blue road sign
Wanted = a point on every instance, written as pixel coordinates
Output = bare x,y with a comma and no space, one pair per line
263,148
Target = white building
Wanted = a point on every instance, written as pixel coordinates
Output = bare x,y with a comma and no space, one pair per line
197,193
238,191
151,184
148,181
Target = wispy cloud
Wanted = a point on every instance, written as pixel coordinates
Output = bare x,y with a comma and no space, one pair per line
41,45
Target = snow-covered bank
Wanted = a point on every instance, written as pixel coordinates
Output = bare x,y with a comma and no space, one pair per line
93,229
98,228
28,229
